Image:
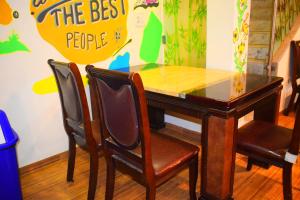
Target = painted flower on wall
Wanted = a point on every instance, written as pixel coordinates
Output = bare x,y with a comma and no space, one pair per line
239,85
235,35
241,48
241,35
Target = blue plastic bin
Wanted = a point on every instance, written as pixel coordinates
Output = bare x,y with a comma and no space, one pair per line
10,187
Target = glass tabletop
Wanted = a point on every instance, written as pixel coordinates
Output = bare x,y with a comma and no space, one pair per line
188,81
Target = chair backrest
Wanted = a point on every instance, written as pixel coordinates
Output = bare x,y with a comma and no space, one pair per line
294,146
123,110
295,46
73,100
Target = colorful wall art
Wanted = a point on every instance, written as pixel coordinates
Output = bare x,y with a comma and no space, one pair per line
287,12
82,31
185,32
112,34
121,63
12,43
146,4
48,85
241,35
151,41
6,13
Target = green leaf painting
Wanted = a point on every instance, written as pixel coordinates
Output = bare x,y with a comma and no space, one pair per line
151,42
13,44
185,32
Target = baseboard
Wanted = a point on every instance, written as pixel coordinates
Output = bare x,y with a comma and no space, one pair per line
28,168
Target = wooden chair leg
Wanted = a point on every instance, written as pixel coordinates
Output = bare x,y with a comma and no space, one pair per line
291,103
150,192
71,159
193,174
110,178
249,164
287,181
93,175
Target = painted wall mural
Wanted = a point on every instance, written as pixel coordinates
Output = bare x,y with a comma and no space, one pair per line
6,13
185,29
48,85
87,32
151,41
82,31
121,63
241,34
287,12
13,43
146,4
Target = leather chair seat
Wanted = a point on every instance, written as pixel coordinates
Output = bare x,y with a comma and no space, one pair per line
164,159
264,139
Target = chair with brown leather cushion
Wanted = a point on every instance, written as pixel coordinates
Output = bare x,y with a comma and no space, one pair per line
76,118
129,145
295,75
275,145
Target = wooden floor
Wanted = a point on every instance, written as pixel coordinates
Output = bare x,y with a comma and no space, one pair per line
49,181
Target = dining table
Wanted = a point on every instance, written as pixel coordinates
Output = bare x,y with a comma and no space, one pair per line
219,98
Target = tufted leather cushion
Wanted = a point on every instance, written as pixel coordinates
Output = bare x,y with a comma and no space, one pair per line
264,139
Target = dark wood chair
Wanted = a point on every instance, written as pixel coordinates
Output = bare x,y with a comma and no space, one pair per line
129,145
295,75
271,144
76,118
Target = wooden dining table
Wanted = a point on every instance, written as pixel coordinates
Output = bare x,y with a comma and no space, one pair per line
219,98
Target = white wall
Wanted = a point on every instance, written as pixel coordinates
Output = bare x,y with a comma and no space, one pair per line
37,118
220,26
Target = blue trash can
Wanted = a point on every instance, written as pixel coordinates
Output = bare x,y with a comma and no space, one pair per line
10,187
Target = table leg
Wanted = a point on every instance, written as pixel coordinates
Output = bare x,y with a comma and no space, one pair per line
156,117
268,109
218,157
